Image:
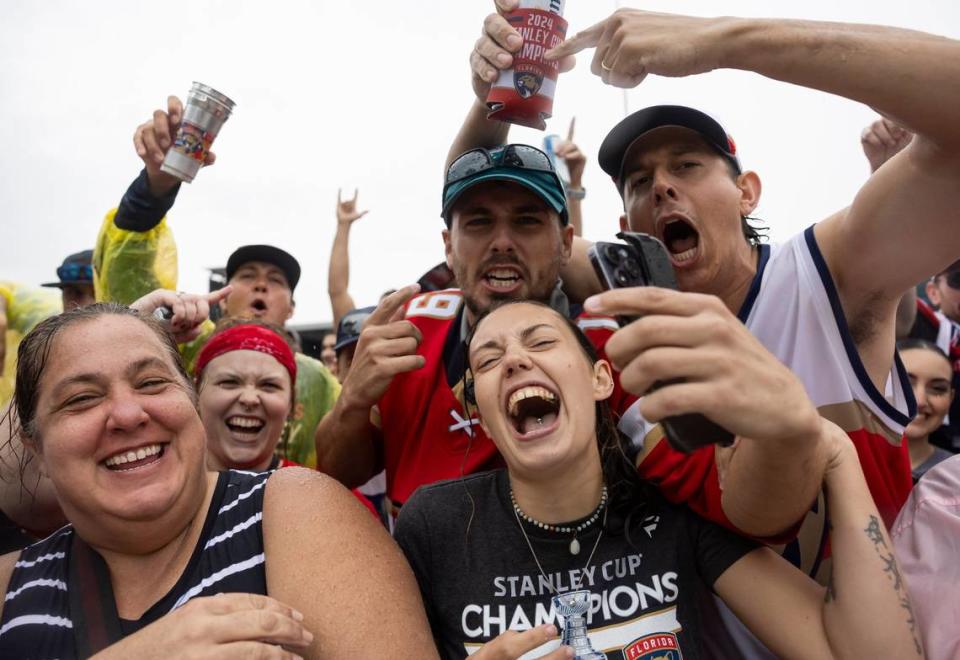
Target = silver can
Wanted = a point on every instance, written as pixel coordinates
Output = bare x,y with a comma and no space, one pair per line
204,115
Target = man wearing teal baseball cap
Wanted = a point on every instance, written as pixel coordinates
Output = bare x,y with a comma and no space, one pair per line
405,405
507,232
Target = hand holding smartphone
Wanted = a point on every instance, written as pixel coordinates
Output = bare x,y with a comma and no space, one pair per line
642,260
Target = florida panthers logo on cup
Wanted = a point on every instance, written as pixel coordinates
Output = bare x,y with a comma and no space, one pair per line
527,83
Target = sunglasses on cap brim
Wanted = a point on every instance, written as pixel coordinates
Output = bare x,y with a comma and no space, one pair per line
519,156
75,273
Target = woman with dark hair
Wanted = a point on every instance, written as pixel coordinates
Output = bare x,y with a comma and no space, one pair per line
162,558
930,374
568,533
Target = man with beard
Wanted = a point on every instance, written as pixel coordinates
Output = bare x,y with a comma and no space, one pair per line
405,404
135,254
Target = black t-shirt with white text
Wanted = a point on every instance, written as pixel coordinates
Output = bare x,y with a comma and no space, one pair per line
479,579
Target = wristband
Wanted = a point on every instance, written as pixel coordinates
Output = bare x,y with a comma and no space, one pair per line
576,193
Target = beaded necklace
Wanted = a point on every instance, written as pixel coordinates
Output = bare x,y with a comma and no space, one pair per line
559,529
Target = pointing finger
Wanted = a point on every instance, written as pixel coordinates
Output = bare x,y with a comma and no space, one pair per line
215,297
391,305
588,38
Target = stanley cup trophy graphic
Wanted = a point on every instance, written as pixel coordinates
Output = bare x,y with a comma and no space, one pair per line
572,606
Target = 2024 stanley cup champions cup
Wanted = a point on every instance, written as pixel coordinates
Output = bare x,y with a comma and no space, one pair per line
523,94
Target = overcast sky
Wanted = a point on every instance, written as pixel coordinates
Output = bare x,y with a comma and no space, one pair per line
354,94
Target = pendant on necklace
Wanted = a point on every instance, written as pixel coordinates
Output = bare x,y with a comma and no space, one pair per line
574,546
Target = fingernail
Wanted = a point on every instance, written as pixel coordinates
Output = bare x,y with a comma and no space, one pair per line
503,59
514,41
592,303
307,636
296,615
551,631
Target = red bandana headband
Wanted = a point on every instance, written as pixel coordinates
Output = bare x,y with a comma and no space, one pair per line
248,338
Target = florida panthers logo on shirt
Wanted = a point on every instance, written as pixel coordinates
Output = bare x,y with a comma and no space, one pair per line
661,646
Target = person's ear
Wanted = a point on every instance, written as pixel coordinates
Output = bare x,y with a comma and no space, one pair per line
623,222
447,248
602,380
567,248
750,188
33,451
293,308
933,292
223,305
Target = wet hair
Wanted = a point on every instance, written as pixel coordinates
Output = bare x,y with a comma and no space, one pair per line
34,352
628,493
911,343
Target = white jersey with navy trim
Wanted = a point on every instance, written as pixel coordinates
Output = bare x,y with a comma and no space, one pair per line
793,308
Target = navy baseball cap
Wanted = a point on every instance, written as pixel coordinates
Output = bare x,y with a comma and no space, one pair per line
76,270
619,140
267,254
348,330
520,163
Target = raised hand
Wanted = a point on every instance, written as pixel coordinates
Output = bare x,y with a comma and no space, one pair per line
189,310
154,137
631,43
347,209
493,51
574,158
882,140
387,347
726,372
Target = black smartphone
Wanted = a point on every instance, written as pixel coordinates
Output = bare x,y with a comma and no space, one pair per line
642,260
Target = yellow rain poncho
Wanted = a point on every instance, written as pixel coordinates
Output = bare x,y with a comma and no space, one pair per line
26,307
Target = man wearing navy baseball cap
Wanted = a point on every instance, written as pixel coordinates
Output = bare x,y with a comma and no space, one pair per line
75,280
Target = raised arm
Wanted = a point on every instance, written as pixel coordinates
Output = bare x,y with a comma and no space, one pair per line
865,610
906,212
338,276
714,366
491,53
135,252
346,437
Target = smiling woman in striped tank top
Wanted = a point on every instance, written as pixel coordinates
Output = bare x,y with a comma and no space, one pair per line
155,540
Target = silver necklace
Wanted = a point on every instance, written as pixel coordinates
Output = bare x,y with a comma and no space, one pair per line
575,587
574,543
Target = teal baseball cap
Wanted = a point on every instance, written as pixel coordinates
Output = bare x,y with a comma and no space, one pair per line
520,163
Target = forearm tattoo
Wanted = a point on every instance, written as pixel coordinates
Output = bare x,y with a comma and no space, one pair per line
875,533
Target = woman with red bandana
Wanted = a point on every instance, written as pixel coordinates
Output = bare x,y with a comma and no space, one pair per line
245,377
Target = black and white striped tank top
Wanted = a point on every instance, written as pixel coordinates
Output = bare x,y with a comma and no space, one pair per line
39,622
